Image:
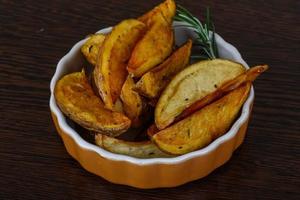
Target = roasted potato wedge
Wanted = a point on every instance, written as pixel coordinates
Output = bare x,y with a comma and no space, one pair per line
90,48
153,48
204,126
110,72
77,100
132,102
168,9
249,76
144,149
192,84
153,82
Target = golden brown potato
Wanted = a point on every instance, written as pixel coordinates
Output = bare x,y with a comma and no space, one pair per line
204,126
192,84
132,102
153,82
110,72
90,48
153,48
168,9
76,99
144,149
249,76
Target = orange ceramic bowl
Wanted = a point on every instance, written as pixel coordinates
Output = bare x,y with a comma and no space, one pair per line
154,172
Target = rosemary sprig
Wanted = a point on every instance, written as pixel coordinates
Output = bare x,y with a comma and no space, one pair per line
205,31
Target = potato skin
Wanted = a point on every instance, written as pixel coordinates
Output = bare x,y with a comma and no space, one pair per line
154,47
132,102
145,149
153,82
110,72
167,8
192,84
77,100
204,126
151,131
90,49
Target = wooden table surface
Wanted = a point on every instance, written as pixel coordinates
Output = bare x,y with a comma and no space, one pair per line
34,35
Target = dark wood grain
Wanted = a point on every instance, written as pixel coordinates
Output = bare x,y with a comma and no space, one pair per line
34,35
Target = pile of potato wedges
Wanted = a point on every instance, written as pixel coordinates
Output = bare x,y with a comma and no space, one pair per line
140,81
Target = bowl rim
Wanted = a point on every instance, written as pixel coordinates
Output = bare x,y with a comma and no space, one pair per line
62,122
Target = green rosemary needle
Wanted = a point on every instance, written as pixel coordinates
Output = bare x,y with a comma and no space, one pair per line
205,32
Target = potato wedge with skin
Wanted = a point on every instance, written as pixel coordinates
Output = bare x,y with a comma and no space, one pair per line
153,82
192,84
77,100
249,76
153,48
132,102
204,126
110,72
90,48
168,9
144,149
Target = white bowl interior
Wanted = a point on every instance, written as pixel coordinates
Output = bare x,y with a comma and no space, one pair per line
74,61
